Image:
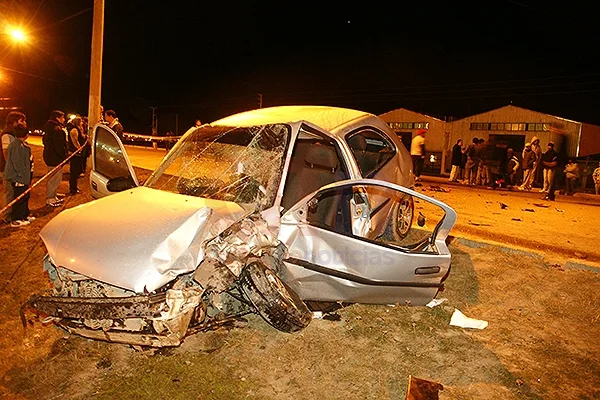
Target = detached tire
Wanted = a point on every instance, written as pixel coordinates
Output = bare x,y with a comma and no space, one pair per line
276,303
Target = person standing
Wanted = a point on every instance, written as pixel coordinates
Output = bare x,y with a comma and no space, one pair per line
572,174
55,152
472,162
512,167
77,141
537,170
596,177
417,153
456,160
483,169
14,119
18,171
528,165
549,163
114,124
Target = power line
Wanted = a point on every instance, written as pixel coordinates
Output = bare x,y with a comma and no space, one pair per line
38,76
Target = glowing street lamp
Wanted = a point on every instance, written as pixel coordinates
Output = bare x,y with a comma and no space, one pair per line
17,35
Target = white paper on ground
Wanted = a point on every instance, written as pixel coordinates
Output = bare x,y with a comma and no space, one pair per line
435,302
459,319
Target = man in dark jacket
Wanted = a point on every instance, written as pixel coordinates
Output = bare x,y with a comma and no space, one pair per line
55,152
18,171
456,161
471,164
549,163
114,124
14,119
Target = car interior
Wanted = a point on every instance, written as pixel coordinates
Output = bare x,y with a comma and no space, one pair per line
314,163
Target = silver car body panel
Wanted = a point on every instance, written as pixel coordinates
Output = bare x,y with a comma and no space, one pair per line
327,266
138,239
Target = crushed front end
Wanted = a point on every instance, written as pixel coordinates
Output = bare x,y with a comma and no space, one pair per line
100,311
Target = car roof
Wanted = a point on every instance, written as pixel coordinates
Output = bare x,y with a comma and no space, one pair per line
325,117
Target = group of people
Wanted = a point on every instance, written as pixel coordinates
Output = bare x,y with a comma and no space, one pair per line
493,165
61,139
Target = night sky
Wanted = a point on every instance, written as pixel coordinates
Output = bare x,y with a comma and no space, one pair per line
210,60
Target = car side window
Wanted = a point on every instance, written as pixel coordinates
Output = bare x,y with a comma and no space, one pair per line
371,150
110,161
315,162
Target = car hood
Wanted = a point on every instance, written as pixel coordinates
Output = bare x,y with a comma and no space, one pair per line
138,239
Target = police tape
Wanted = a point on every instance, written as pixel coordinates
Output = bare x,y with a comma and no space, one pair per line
43,178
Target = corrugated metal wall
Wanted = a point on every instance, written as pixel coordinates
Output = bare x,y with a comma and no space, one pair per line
563,132
434,139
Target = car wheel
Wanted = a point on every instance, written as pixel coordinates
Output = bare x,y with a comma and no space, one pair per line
276,303
402,217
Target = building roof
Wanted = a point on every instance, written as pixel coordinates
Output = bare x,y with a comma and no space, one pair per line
510,106
411,111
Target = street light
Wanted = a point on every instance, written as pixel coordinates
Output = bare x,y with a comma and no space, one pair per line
17,34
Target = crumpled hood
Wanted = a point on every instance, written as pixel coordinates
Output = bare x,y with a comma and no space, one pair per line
138,239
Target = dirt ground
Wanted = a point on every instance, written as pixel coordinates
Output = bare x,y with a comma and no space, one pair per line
541,342
565,229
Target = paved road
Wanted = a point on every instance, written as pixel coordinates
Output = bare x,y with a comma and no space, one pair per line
142,157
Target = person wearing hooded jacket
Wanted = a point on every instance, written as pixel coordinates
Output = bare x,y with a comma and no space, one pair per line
55,152
529,161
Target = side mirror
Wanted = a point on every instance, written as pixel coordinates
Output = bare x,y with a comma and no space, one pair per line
120,184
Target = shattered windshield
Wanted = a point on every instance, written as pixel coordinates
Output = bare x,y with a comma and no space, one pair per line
241,164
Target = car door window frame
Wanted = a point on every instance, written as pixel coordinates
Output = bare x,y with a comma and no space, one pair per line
295,162
298,214
360,161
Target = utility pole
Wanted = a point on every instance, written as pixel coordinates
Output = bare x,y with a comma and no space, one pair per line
154,122
260,100
96,63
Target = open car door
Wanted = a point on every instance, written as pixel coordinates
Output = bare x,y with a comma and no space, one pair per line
111,169
337,254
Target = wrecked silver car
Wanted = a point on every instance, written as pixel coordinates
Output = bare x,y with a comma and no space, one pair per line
264,211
